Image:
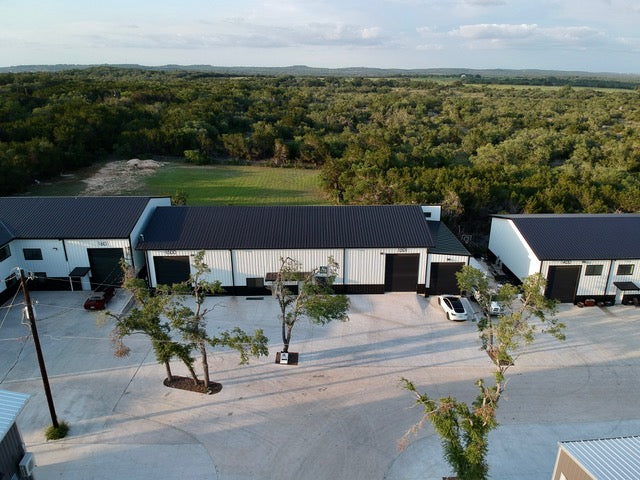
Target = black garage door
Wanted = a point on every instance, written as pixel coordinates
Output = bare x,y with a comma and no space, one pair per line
443,278
170,270
562,283
105,266
401,273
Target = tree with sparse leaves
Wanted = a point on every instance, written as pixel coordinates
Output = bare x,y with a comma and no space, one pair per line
191,323
146,317
313,298
463,428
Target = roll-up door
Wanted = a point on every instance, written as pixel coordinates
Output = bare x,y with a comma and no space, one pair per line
443,278
562,283
105,266
170,270
401,273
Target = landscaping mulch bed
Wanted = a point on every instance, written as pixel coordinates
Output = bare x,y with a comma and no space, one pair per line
186,383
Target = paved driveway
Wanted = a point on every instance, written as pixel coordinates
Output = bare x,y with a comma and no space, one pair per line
338,414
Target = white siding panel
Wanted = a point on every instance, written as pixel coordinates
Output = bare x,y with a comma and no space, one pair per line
77,250
53,262
219,261
256,263
366,266
508,244
635,277
587,284
593,284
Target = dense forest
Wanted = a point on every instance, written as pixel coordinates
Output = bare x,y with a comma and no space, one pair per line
477,149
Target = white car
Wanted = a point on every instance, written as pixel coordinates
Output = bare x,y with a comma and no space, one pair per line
453,307
496,308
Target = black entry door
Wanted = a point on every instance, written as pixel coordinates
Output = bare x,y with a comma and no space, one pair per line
105,266
562,283
443,278
401,273
170,270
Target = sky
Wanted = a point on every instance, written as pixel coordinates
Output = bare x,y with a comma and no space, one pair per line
585,35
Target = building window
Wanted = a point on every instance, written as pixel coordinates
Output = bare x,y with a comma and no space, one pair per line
256,282
595,270
625,269
32,253
5,252
11,280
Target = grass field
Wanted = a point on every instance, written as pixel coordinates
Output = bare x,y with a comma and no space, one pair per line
238,185
204,185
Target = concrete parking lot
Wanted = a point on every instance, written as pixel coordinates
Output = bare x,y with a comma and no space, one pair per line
338,414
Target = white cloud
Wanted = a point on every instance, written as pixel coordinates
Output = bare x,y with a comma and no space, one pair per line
433,47
494,31
486,3
532,36
236,33
425,31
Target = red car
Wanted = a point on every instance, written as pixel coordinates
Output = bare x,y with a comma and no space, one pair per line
99,298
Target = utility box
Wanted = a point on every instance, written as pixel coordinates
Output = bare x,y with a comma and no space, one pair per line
284,357
26,466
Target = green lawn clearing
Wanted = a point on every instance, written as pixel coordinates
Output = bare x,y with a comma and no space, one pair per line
238,185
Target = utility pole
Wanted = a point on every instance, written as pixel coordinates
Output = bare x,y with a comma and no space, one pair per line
36,341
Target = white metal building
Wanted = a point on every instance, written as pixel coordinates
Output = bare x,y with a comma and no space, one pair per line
71,242
446,257
600,459
378,248
582,256
12,452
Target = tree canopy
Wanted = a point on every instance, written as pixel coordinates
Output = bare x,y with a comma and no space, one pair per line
388,140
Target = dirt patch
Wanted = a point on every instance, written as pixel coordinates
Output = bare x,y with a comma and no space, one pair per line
120,176
186,383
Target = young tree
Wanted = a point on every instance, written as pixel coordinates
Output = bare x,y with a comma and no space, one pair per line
147,318
314,298
192,324
463,428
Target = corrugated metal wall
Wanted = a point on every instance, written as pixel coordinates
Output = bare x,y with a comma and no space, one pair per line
256,263
598,285
77,250
506,243
53,262
356,266
11,452
367,266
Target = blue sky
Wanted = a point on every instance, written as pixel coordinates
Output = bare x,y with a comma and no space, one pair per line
589,35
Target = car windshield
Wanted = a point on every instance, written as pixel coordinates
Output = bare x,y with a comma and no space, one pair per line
457,305
97,296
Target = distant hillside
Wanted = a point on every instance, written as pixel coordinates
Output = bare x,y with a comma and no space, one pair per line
303,70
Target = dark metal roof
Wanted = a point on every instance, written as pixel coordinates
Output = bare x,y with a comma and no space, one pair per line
5,234
580,236
214,228
70,217
446,242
